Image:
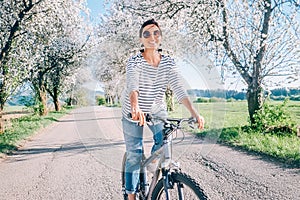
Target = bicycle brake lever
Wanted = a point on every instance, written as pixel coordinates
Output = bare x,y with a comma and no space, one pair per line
192,122
192,126
148,117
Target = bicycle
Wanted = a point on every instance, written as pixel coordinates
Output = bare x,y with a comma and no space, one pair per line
168,182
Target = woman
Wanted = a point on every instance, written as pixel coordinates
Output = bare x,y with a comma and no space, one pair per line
148,75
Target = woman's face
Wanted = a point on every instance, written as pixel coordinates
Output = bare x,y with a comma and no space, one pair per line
151,37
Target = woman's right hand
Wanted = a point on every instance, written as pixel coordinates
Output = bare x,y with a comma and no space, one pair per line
138,115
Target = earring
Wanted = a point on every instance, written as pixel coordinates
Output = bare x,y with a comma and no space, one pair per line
142,50
159,49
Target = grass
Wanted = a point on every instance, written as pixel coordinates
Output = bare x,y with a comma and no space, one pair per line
14,108
228,123
284,148
23,127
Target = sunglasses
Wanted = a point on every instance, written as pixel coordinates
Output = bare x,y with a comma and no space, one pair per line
147,34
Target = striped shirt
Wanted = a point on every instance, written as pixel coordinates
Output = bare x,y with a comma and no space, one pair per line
151,83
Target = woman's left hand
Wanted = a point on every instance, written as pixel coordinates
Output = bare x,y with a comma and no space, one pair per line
200,121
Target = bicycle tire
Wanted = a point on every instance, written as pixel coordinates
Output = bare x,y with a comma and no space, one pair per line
188,186
125,196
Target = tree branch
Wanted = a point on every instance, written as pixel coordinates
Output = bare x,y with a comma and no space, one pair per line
263,37
14,29
240,68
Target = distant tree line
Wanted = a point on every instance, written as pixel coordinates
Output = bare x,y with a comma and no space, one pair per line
275,94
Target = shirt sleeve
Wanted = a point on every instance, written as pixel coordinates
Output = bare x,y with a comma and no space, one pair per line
176,82
132,75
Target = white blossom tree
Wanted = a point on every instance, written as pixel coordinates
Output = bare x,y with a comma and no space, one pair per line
14,44
32,32
116,41
60,44
110,70
73,92
65,59
257,39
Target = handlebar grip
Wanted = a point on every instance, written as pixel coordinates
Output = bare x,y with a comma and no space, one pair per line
129,115
192,120
147,117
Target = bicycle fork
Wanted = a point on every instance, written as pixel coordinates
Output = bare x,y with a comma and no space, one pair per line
169,184
167,181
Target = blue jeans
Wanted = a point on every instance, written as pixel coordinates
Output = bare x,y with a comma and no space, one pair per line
133,135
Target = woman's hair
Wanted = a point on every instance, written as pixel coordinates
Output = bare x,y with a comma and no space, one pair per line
148,22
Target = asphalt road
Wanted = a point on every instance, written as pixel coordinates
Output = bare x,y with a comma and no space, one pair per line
79,157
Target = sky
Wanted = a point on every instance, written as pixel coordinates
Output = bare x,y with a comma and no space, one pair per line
96,7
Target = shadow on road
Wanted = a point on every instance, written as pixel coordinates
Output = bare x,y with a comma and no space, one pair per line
69,149
88,119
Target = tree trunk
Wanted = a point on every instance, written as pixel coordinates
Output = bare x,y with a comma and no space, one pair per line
254,98
55,100
109,99
3,96
169,99
57,105
71,99
43,101
1,122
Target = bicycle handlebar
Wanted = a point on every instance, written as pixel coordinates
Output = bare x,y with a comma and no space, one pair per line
149,118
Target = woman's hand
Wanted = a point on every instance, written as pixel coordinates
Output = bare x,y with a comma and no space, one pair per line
138,115
200,121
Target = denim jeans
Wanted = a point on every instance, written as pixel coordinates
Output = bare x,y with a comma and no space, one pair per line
133,135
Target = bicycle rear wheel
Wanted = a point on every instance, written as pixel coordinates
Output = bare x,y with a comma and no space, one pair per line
140,195
125,196
182,187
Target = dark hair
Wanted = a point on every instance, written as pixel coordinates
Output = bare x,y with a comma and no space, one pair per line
148,22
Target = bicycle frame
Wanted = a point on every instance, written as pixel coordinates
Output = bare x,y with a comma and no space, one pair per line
164,155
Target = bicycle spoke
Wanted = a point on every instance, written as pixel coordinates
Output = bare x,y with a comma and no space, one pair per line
183,187
179,193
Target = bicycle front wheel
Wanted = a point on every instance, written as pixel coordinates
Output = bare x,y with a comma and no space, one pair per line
182,187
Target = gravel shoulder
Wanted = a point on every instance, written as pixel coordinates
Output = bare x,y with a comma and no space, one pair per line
226,173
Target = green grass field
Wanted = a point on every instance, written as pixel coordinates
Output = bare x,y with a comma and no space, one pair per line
227,123
23,127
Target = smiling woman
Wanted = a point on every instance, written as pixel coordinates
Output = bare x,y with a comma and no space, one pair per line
148,74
